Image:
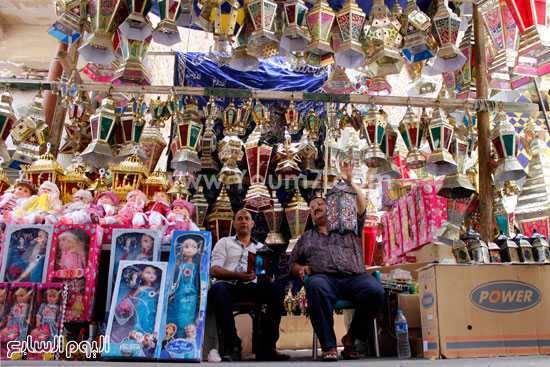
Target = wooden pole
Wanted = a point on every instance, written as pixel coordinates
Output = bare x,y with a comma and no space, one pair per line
483,131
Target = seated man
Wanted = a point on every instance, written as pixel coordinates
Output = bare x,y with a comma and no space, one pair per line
334,264
232,283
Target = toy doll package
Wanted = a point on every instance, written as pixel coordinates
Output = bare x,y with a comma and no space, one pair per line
74,260
131,244
184,314
48,327
26,253
18,318
136,310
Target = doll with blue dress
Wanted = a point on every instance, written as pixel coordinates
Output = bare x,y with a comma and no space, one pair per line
49,313
33,271
20,312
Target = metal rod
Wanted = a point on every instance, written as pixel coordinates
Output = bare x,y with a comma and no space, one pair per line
541,102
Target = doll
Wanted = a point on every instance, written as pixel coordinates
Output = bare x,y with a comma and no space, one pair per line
182,210
20,312
146,253
75,305
3,305
156,212
33,271
135,202
191,337
33,209
22,189
81,201
49,313
72,244
101,212
170,332
16,263
183,298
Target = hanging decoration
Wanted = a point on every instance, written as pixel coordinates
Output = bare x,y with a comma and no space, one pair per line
506,140
441,162
242,60
220,220
350,20
296,35
226,17
320,18
209,140
446,25
412,132
188,129
419,43
98,153
375,125
166,33
200,206
7,121
132,122
274,218
70,16
152,140
288,158
258,155
131,70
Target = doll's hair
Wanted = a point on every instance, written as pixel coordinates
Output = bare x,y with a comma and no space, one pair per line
22,292
165,195
199,244
189,327
147,235
52,292
81,237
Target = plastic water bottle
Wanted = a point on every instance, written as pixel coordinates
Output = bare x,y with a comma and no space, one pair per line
402,333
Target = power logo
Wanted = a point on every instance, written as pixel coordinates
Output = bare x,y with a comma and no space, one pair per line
427,300
505,296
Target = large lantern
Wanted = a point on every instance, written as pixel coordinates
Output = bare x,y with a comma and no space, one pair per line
274,218
465,77
419,43
350,20
46,168
132,122
342,208
188,128
220,220
200,206
457,211
131,70
166,33
412,131
227,18
209,140
105,16
137,26
319,20
297,213
446,25
262,13
375,125
506,141
98,153
127,176
258,155
440,136
296,35
288,158
68,26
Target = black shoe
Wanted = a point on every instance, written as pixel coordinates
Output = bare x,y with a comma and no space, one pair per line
232,355
271,355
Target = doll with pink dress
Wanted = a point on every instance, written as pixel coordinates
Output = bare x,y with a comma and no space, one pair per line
72,245
135,202
103,211
156,212
33,209
182,210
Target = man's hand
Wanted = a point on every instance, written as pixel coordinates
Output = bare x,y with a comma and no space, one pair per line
245,277
346,171
265,278
306,270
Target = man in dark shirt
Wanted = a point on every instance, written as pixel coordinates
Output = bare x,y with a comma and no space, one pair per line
334,264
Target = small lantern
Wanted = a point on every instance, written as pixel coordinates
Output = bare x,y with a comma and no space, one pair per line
99,185
98,153
131,71
419,43
506,140
137,26
524,247
312,124
297,213
200,206
342,208
46,168
188,14
262,13
288,158
541,249
274,218
446,25
220,220
320,18
308,153
7,120
338,82
235,120
440,135
209,140
157,181
189,128
460,250
74,179
375,125
494,252
260,116
379,86
180,188
508,248
105,17
292,117
504,217
68,26
457,210
479,252
101,73
166,33
258,155
230,154
350,20
353,154
152,140
412,131
127,176
296,35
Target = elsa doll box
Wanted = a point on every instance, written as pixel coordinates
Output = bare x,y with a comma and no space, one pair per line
26,253
74,261
136,310
185,307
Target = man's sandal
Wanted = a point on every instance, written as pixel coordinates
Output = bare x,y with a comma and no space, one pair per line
330,355
350,353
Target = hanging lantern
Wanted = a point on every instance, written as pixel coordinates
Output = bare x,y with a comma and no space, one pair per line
292,117
274,218
457,210
242,60
508,248
341,201
338,82
412,131
457,185
7,120
441,162
479,251
379,86
288,158
375,125
465,77
166,33
220,220
350,20
209,140
296,35
297,214
258,155
5,182
388,169
227,17
260,116
506,140
131,70
533,21
188,14
105,16
98,153
137,26
235,120
312,124
230,154
46,168
132,122
70,15
74,179
157,181
541,249
419,43
200,206
446,25
262,14
421,86
189,128
503,218
320,18
127,176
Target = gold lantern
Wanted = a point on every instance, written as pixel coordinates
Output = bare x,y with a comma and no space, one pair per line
418,43
446,25
44,169
99,185
296,35
166,33
180,188
258,155
75,179
131,70
5,182
288,158
132,122
220,220
227,18
137,26
235,120
292,117
262,14
200,206
157,181
209,140
350,20
127,176
153,143
230,154
274,218
320,18
297,213
188,128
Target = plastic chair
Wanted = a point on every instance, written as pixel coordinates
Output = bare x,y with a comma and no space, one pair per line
343,304
252,309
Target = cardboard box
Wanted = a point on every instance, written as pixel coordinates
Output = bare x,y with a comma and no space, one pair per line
410,305
412,268
296,332
433,252
485,310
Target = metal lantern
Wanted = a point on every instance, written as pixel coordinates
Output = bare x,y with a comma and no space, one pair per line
180,188
446,26
127,176
188,14
98,153
227,18
220,220
320,18
7,120
258,155
350,20
262,13
99,185
5,182
74,179
379,86
260,116
131,70
460,250
506,140
541,249
388,169
137,26
46,168
479,251
274,218
189,129
153,143
166,33
70,15
288,158
105,17
440,136
494,252
241,59
416,26
230,154
297,214
525,248
412,131
296,35
293,120
508,248
375,125
209,140
504,217
132,122
338,82
465,76
457,185
312,124
533,20
200,206
235,120
157,181
342,208
457,210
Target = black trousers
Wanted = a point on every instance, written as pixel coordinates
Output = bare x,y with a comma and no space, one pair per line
323,290
221,297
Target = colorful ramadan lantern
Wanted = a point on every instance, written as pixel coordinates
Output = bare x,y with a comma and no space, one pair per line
46,168
258,155
166,33
320,18
465,77
131,70
341,208
297,213
296,35
152,140
74,179
412,131
440,135
127,176
209,140
457,185
189,129
446,25
137,26
388,169
288,158
220,220
457,211
70,15
180,188
200,206
157,181
7,120
132,122
350,20
274,218
262,14
506,140
188,15
98,153
99,185
227,17
416,27
292,117
260,116
241,59
235,120
375,125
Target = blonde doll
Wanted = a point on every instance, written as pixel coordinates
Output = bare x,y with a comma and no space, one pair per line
3,305
49,313
72,246
33,209
20,312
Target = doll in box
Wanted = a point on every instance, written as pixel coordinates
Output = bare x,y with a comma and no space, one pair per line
75,304
135,202
19,317
3,305
82,200
147,243
73,248
156,212
49,313
22,189
33,209
169,336
34,269
183,297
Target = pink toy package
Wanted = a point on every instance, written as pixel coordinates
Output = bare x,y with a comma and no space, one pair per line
387,235
397,248
74,261
409,208
18,319
406,236
432,208
108,231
